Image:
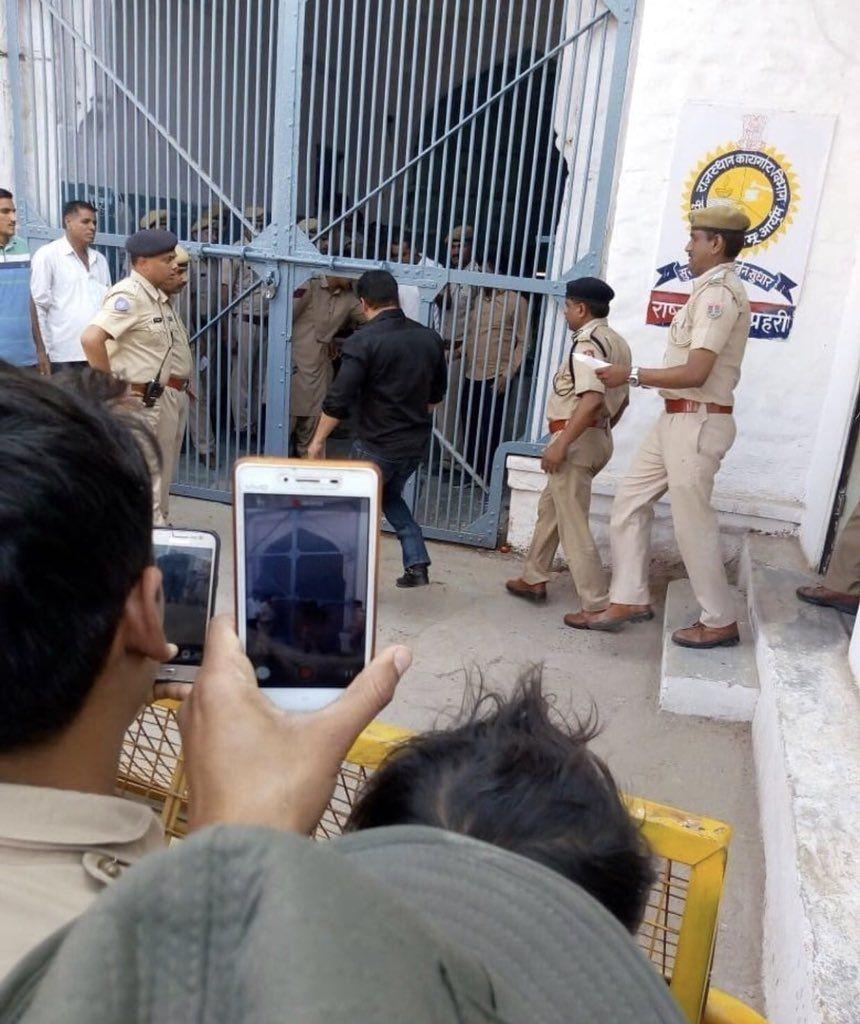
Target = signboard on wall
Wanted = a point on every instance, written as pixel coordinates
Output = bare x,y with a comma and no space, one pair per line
771,165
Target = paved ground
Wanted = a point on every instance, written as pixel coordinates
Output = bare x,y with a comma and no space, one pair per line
465,620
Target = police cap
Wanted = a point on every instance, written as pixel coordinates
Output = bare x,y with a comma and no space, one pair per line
152,219
719,217
589,289
461,233
310,225
150,242
183,258
207,217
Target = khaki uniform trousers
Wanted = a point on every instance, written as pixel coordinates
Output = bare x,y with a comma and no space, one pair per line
249,356
302,430
681,455
166,419
563,516
843,573
200,410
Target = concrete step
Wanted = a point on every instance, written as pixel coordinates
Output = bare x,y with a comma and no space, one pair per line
806,746
719,683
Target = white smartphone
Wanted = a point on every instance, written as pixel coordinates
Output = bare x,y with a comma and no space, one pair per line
307,543
188,560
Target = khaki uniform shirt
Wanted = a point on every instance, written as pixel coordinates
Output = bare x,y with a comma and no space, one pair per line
319,312
566,393
238,276
58,851
716,317
205,285
495,340
178,355
458,306
145,331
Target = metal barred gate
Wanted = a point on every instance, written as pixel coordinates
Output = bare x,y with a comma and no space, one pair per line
392,129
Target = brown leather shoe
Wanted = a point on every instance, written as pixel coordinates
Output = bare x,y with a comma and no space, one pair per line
579,620
848,603
611,618
530,591
701,637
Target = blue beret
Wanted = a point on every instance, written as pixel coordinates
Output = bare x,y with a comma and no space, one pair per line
150,242
589,289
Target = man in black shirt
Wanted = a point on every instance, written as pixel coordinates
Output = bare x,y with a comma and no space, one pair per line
395,370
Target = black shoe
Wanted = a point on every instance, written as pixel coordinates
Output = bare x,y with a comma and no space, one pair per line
414,576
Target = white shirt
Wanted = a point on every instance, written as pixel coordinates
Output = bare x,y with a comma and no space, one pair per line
67,296
410,298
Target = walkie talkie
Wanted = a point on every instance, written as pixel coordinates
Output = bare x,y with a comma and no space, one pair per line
152,392
154,389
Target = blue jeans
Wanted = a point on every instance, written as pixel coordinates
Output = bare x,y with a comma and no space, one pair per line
395,473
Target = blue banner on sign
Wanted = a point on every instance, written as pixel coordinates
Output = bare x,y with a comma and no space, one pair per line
765,280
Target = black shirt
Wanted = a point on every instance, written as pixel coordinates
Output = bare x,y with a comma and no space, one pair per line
394,369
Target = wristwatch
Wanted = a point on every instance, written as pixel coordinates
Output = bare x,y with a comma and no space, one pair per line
633,379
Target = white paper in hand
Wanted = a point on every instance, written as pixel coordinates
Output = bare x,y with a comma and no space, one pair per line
592,361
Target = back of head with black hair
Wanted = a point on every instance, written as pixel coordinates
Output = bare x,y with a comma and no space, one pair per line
73,205
378,288
75,536
599,310
733,241
516,775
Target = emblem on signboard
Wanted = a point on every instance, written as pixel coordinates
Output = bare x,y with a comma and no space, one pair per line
752,175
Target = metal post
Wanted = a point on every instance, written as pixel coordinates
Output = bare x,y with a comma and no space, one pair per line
18,164
285,162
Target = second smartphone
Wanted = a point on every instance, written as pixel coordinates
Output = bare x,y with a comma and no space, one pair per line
306,536
188,560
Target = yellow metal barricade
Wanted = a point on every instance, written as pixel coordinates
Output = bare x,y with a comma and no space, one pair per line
680,925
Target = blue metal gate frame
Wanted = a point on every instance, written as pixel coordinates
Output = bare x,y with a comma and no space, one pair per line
284,257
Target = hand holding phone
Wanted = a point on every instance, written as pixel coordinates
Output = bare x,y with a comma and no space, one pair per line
250,763
306,539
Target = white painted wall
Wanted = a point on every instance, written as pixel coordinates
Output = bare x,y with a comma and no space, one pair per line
782,55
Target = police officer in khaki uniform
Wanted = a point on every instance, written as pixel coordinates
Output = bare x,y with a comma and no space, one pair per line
58,850
493,348
310,226
684,449
322,307
248,328
840,588
138,335
206,302
581,411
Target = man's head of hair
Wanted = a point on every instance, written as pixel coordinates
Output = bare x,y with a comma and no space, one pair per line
75,541
377,288
80,222
75,205
733,241
515,774
5,193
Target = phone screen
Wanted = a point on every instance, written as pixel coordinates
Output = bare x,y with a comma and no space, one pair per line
186,573
306,588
